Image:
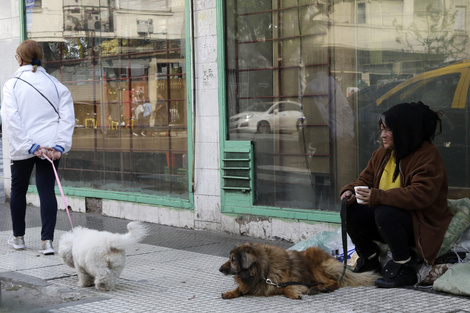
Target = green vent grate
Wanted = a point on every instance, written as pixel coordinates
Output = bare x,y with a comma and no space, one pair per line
237,170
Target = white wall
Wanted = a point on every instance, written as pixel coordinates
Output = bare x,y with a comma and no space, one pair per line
9,40
207,213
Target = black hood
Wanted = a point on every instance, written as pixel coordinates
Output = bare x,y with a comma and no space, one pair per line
411,125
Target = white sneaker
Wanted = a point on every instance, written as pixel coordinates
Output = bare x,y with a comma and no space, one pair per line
47,248
17,243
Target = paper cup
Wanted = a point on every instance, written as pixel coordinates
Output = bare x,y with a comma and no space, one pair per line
355,190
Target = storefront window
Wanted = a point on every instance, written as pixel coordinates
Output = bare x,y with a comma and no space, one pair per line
307,80
124,62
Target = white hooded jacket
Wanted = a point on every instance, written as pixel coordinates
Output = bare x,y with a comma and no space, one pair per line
30,120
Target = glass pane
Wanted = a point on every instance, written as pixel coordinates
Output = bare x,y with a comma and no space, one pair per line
343,64
124,62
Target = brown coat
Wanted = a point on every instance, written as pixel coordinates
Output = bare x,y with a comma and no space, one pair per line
423,193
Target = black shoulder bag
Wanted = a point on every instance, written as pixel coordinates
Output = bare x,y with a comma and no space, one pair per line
40,94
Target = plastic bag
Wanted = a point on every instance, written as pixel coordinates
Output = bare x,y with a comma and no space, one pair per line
463,244
329,241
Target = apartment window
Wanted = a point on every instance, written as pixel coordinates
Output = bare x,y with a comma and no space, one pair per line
361,13
460,18
424,7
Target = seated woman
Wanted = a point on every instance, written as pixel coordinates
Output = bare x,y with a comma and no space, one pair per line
405,204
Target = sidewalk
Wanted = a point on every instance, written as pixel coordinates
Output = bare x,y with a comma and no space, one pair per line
173,270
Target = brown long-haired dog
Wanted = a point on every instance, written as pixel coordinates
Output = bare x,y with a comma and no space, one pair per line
266,270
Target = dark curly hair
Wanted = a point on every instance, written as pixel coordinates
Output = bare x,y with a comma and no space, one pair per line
411,125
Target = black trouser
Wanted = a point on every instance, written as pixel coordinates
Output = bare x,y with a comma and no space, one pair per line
387,224
45,180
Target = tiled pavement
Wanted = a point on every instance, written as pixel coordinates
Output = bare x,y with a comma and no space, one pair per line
176,270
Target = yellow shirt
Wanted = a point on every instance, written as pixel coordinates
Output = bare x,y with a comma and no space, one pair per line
386,181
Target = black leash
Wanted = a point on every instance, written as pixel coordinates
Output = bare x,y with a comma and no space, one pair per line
344,234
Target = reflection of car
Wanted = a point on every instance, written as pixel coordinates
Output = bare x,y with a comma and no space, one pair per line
265,117
445,89
370,94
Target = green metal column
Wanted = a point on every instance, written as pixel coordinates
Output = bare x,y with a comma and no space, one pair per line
22,16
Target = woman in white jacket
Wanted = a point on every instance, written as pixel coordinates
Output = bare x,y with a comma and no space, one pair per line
38,116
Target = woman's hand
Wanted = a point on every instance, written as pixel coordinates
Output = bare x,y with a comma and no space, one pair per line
349,195
53,154
49,152
363,194
41,151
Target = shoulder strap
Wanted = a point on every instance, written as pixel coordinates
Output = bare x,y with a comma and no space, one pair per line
40,94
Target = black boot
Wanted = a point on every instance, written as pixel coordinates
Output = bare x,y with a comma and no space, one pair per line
397,275
366,265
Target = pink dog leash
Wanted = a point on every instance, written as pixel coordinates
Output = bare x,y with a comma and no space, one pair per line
60,188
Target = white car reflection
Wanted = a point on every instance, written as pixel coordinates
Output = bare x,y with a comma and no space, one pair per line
265,117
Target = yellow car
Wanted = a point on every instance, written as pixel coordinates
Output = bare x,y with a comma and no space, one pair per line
445,87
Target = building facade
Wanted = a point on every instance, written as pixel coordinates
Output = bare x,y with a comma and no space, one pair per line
240,116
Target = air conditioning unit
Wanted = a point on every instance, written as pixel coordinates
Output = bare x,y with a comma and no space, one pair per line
145,27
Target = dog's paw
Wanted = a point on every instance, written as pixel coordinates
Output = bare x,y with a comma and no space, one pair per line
294,292
102,287
313,291
295,296
326,290
229,295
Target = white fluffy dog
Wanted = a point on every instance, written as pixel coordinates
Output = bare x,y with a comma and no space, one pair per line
99,256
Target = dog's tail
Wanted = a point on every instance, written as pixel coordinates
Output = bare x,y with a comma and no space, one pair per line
137,231
350,278
65,248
